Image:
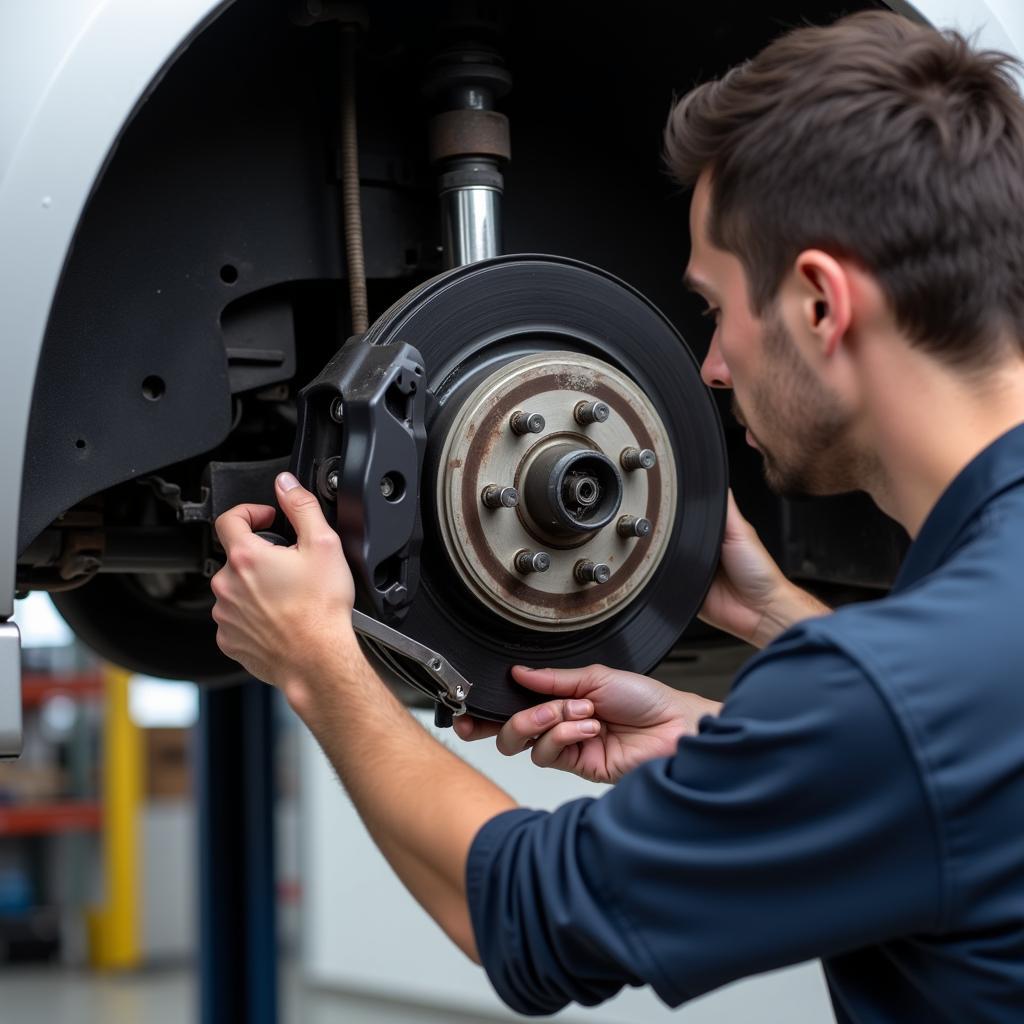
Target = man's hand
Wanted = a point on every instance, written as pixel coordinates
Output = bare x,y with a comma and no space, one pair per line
286,615
603,724
750,597
282,613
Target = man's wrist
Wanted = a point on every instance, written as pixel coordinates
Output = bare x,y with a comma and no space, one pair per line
792,605
696,709
337,665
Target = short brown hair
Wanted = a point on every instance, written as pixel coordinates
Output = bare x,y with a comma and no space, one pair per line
881,140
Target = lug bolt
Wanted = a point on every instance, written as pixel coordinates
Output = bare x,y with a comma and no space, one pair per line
526,423
637,458
633,526
337,410
587,571
590,412
387,486
532,561
332,481
496,496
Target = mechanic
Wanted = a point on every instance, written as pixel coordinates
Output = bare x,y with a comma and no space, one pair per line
857,229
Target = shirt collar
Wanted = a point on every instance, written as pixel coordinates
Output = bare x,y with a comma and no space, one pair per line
992,471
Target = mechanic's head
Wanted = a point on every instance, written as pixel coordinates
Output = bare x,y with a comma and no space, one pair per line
860,180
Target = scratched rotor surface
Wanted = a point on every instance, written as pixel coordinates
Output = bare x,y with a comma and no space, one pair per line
485,330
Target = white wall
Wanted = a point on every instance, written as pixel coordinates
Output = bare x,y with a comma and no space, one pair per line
998,24
363,933
168,905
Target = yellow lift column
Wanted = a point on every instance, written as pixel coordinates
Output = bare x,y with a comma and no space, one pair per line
114,928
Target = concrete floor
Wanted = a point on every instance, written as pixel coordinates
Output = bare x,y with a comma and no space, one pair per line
57,995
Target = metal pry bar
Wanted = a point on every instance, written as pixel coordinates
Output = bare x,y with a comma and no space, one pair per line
440,680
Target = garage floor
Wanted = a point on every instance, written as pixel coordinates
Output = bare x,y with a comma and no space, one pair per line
53,995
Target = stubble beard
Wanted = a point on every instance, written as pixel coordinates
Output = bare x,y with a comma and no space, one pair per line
804,433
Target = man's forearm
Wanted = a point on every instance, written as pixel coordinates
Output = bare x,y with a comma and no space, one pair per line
421,804
792,606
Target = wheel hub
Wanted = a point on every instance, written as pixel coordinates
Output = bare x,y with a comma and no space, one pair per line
555,426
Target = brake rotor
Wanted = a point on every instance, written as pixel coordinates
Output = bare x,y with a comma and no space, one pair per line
562,575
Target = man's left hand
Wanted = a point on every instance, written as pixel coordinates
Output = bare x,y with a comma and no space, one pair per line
283,613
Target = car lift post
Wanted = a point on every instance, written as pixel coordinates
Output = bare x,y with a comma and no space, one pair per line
238,969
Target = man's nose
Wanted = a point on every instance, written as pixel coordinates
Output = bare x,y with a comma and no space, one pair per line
713,370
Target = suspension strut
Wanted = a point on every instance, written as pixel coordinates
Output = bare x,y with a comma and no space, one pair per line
469,140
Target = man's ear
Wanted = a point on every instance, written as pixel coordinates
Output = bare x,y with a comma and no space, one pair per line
823,296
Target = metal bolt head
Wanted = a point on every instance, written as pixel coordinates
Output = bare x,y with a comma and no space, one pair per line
591,412
526,423
527,561
638,458
387,486
633,526
496,496
337,410
332,481
586,571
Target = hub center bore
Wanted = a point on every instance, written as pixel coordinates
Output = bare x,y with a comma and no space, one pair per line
571,491
585,490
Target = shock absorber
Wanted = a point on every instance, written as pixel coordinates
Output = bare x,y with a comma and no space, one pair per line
469,140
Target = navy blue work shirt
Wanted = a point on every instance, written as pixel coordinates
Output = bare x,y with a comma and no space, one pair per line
860,798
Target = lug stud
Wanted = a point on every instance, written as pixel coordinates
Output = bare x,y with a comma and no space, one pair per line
633,526
590,412
586,571
637,458
337,410
526,423
496,496
332,481
532,561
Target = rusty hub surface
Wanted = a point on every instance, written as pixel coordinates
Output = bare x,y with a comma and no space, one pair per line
564,494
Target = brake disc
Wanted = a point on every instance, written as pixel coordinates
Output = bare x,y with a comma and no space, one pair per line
547,338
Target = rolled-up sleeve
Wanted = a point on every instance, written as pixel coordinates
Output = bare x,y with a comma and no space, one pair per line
793,825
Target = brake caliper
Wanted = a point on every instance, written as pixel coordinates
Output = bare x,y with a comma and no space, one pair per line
359,447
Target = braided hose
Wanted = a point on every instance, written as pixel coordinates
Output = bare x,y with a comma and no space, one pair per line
352,215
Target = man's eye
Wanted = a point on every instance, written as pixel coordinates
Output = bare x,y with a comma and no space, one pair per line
711,313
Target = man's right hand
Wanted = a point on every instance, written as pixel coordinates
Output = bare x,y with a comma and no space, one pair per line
750,597
602,723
